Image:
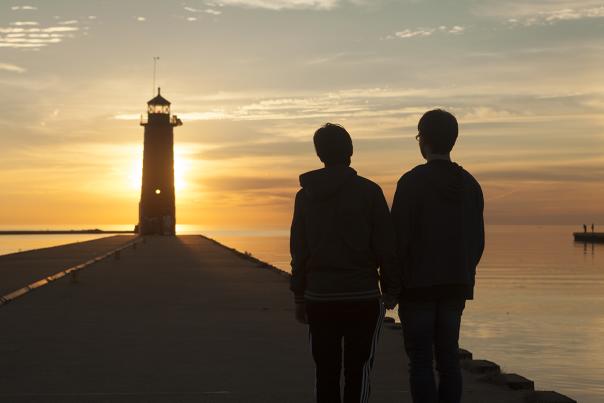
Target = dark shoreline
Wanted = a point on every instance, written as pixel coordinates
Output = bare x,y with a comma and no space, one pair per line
64,232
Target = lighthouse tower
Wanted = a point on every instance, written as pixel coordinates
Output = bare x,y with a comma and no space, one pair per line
157,212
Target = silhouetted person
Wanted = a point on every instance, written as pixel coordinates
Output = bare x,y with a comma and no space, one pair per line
438,219
341,235
585,228
592,228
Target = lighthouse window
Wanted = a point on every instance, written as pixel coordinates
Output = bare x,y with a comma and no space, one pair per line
157,191
164,109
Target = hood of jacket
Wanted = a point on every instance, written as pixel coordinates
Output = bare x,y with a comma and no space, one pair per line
448,181
326,182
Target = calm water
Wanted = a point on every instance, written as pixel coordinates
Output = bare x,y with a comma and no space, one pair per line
539,307
18,243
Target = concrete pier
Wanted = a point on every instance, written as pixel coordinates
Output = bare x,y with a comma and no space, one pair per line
176,319
20,269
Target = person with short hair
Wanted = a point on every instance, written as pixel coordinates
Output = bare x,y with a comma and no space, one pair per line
344,268
438,219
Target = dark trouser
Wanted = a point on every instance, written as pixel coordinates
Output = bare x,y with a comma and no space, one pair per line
359,325
431,331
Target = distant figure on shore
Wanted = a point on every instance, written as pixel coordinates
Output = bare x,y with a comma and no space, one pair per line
438,219
593,228
585,228
342,242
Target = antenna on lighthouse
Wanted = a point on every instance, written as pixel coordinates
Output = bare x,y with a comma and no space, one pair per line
155,59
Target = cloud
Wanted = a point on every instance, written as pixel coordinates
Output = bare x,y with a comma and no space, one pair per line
12,68
284,4
211,11
423,32
69,22
456,29
574,173
243,184
26,36
24,8
258,149
141,19
400,105
407,33
191,18
555,16
541,12
24,23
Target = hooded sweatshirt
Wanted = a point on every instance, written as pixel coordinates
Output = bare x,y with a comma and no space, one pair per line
438,219
342,239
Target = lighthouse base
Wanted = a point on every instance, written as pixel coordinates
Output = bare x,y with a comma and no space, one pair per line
164,225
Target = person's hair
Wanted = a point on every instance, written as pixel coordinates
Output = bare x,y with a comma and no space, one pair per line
333,144
438,129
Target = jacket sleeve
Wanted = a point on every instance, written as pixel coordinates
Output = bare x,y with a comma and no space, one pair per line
480,221
383,245
298,248
401,218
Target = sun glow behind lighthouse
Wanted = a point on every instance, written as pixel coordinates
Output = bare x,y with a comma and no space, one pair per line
182,167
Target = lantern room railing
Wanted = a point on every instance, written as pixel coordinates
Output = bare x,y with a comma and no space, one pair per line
174,120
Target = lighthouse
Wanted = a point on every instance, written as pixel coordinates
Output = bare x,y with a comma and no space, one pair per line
157,210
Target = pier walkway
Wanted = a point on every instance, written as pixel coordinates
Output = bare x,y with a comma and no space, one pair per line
178,319
20,269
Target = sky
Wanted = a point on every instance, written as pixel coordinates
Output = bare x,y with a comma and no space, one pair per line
253,79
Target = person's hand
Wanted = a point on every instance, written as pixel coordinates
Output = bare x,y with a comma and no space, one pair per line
301,315
390,301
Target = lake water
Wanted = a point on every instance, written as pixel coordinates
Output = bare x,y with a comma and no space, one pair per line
538,309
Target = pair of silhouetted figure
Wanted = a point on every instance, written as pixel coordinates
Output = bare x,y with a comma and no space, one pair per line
352,258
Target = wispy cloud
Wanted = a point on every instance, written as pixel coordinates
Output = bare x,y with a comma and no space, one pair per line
401,105
408,33
23,8
12,68
284,4
541,12
141,19
30,37
24,23
422,32
211,11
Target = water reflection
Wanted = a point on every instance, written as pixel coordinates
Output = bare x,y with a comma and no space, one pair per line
589,248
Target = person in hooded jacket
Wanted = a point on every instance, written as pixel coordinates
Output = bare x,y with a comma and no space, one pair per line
438,219
344,267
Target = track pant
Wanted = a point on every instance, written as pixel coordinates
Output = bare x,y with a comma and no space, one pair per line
431,333
356,327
